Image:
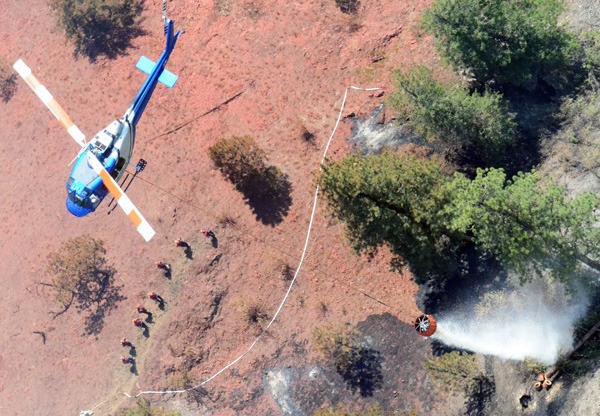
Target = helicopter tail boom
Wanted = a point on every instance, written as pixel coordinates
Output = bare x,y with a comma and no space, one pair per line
135,110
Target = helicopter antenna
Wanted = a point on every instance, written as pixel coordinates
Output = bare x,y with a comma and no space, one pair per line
165,16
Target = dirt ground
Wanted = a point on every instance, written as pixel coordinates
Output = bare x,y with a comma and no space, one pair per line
285,66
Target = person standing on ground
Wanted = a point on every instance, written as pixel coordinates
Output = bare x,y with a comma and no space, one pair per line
141,309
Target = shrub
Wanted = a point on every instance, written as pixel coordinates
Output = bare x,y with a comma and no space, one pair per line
456,371
79,271
338,343
8,84
348,6
144,408
99,27
255,314
240,161
532,367
180,380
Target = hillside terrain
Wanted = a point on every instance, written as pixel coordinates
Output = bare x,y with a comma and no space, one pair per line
275,71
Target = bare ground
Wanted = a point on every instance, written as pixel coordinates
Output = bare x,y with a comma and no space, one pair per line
265,69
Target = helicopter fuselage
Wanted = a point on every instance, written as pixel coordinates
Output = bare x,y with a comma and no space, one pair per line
112,146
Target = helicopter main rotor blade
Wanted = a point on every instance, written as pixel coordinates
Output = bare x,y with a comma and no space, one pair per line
25,72
140,223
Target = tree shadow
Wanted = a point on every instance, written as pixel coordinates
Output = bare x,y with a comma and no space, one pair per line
107,33
269,196
198,395
479,395
98,296
362,372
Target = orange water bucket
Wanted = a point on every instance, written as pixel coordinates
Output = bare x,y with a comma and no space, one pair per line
425,325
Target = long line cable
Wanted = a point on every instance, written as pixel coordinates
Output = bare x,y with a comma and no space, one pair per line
302,258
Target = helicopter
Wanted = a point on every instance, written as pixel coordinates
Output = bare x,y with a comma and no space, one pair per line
102,162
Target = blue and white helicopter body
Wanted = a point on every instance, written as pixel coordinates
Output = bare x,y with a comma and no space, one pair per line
113,145
103,161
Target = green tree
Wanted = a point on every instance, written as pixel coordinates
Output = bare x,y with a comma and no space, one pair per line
99,27
527,225
479,126
240,160
265,188
515,43
456,371
395,200
81,277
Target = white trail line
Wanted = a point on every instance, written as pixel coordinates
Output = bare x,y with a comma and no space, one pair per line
312,215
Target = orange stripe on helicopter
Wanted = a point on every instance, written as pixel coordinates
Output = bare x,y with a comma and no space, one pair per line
135,218
108,182
60,114
33,82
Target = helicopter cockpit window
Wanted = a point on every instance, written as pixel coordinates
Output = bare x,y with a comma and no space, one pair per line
78,201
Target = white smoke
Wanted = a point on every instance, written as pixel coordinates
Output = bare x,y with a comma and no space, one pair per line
535,320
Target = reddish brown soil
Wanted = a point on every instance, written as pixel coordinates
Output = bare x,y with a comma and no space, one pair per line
291,63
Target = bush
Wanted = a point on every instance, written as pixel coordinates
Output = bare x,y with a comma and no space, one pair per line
456,371
341,410
8,84
239,159
255,314
478,126
144,408
99,27
348,6
338,343
180,380
532,367
265,188
513,43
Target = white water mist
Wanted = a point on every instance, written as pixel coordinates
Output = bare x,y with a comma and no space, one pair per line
535,320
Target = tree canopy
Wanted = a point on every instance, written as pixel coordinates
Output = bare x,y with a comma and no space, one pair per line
479,126
526,224
425,216
516,43
99,27
81,277
392,199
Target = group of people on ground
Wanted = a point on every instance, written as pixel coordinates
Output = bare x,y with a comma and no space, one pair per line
138,322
